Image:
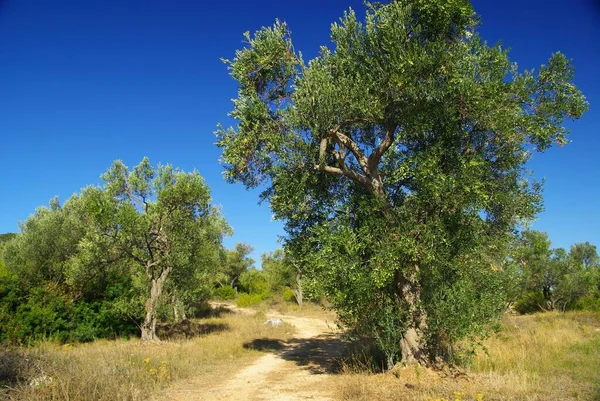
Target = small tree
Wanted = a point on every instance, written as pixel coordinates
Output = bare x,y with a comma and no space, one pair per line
237,262
282,271
398,158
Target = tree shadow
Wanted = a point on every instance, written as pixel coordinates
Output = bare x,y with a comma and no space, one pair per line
13,366
319,355
205,311
188,329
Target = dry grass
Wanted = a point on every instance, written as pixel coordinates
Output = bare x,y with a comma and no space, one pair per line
307,309
541,357
131,370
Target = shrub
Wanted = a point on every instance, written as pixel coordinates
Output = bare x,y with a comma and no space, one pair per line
288,295
225,292
590,303
530,303
254,282
246,300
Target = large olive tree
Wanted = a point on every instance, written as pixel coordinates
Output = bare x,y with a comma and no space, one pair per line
397,158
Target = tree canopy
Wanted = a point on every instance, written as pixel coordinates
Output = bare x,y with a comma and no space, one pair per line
397,157
112,255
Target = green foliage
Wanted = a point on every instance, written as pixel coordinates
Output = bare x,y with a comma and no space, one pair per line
91,267
236,263
589,303
248,300
288,295
224,292
397,161
253,281
530,302
278,271
550,278
49,312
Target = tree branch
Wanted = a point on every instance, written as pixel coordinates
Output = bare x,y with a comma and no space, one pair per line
375,157
347,142
353,175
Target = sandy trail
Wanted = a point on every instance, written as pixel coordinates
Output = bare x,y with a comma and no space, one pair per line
295,370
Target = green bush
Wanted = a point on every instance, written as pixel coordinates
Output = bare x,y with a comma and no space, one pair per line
254,282
288,295
225,292
246,300
530,303
590,303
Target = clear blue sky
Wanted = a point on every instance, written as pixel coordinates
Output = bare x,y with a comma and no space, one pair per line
83,83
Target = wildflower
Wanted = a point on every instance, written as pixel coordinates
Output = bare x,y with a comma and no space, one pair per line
147,360
153,371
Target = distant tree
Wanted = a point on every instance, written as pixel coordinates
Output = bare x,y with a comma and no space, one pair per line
161,220
237,262
254,281
584,255
46,296
4,238
552,278
582,281
49,239
283,271
398,156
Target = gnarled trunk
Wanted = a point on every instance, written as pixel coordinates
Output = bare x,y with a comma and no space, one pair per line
148,326
413,346
298,290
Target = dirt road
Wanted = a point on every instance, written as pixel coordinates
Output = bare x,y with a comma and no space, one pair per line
294,370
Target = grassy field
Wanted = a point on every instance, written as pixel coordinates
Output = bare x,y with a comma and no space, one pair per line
129,369
547,356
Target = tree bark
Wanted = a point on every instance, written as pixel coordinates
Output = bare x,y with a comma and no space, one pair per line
413,346
298,290
175,310
148,327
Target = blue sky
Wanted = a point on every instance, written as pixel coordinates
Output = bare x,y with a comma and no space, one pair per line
83,83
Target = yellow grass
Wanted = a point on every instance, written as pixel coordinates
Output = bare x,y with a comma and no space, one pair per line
131,370
541,357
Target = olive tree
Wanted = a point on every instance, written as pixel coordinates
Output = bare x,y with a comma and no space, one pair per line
161,220
398,156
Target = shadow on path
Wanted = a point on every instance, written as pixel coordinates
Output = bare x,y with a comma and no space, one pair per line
188,329
321,354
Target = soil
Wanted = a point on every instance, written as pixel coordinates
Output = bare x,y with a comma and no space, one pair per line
298,369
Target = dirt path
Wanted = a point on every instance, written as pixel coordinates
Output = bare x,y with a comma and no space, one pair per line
295,370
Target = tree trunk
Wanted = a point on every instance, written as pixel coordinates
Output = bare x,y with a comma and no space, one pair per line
178,310
413,345
298,290
175,310
148,327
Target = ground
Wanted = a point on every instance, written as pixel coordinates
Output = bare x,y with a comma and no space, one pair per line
297,369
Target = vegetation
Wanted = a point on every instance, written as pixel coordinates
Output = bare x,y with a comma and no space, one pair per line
399,155
549,279
548,356
236,263
397,161
130,370
106,261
